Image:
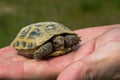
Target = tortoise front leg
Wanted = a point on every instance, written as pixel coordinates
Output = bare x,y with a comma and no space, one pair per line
71,40
43,51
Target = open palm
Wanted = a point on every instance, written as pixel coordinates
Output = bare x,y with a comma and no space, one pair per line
14,66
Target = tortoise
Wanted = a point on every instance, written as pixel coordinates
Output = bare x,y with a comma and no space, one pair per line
44,40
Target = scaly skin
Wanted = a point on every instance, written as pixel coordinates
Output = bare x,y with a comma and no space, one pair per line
59,46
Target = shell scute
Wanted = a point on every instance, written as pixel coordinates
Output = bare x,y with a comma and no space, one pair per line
17,43
23,43
24,32
35,33
50,27
30,45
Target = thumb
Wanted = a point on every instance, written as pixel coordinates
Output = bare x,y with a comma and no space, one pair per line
82,70
73,71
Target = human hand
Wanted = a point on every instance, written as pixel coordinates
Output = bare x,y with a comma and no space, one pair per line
97,59
14,66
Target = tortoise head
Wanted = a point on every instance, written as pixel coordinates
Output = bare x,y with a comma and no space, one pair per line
58,42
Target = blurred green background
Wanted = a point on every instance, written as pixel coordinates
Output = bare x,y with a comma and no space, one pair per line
76,14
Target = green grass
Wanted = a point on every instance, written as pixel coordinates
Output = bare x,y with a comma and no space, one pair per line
76,14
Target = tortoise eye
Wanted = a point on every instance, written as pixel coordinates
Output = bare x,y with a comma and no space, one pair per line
54,42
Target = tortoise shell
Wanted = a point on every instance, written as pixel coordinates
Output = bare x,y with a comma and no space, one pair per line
35,35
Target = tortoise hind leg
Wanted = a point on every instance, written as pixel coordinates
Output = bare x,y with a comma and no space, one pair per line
43,51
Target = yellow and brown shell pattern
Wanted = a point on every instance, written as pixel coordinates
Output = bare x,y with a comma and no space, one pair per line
35,35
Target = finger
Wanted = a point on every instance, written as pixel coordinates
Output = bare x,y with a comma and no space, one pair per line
7,51
84,50
88,34
11,70
10,54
